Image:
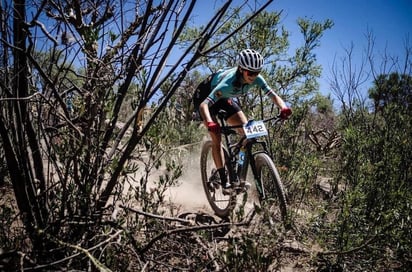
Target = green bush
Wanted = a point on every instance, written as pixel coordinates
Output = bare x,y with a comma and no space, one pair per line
376,171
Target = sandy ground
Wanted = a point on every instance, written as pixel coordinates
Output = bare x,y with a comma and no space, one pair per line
188,195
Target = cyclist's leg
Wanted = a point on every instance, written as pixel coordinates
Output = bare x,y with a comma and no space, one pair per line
236,119
218,158
232,110
217,150
236,116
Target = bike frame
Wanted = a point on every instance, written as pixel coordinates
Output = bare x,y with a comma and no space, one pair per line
267,179
236,173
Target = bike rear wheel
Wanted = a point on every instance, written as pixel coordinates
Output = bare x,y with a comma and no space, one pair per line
221,204
270,187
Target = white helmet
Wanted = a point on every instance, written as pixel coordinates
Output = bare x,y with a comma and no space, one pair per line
251,60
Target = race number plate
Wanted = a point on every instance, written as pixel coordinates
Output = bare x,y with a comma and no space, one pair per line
255,129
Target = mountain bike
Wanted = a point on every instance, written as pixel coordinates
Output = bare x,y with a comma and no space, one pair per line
240,152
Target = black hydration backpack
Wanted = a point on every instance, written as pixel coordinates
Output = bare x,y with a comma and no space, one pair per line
202,91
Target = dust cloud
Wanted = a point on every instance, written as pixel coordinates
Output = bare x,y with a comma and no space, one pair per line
189,193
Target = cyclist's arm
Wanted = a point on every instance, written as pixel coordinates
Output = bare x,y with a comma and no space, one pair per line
204,111
204,106
272,94
279,101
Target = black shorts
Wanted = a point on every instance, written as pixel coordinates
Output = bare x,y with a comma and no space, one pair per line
227,104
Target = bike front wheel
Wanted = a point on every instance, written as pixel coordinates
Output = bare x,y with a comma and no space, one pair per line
221,204
270,187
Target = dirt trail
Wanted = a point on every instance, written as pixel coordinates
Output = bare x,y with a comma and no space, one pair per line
189,194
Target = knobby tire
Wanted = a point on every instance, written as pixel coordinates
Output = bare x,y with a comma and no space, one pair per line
221,204
272,193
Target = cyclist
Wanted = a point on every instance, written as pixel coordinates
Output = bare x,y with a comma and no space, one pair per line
216,92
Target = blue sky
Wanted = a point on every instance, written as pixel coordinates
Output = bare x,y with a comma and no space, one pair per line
390,21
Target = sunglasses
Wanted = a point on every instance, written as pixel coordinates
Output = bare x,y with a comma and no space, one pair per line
251,73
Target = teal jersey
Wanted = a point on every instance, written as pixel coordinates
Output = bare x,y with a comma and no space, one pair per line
222,85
